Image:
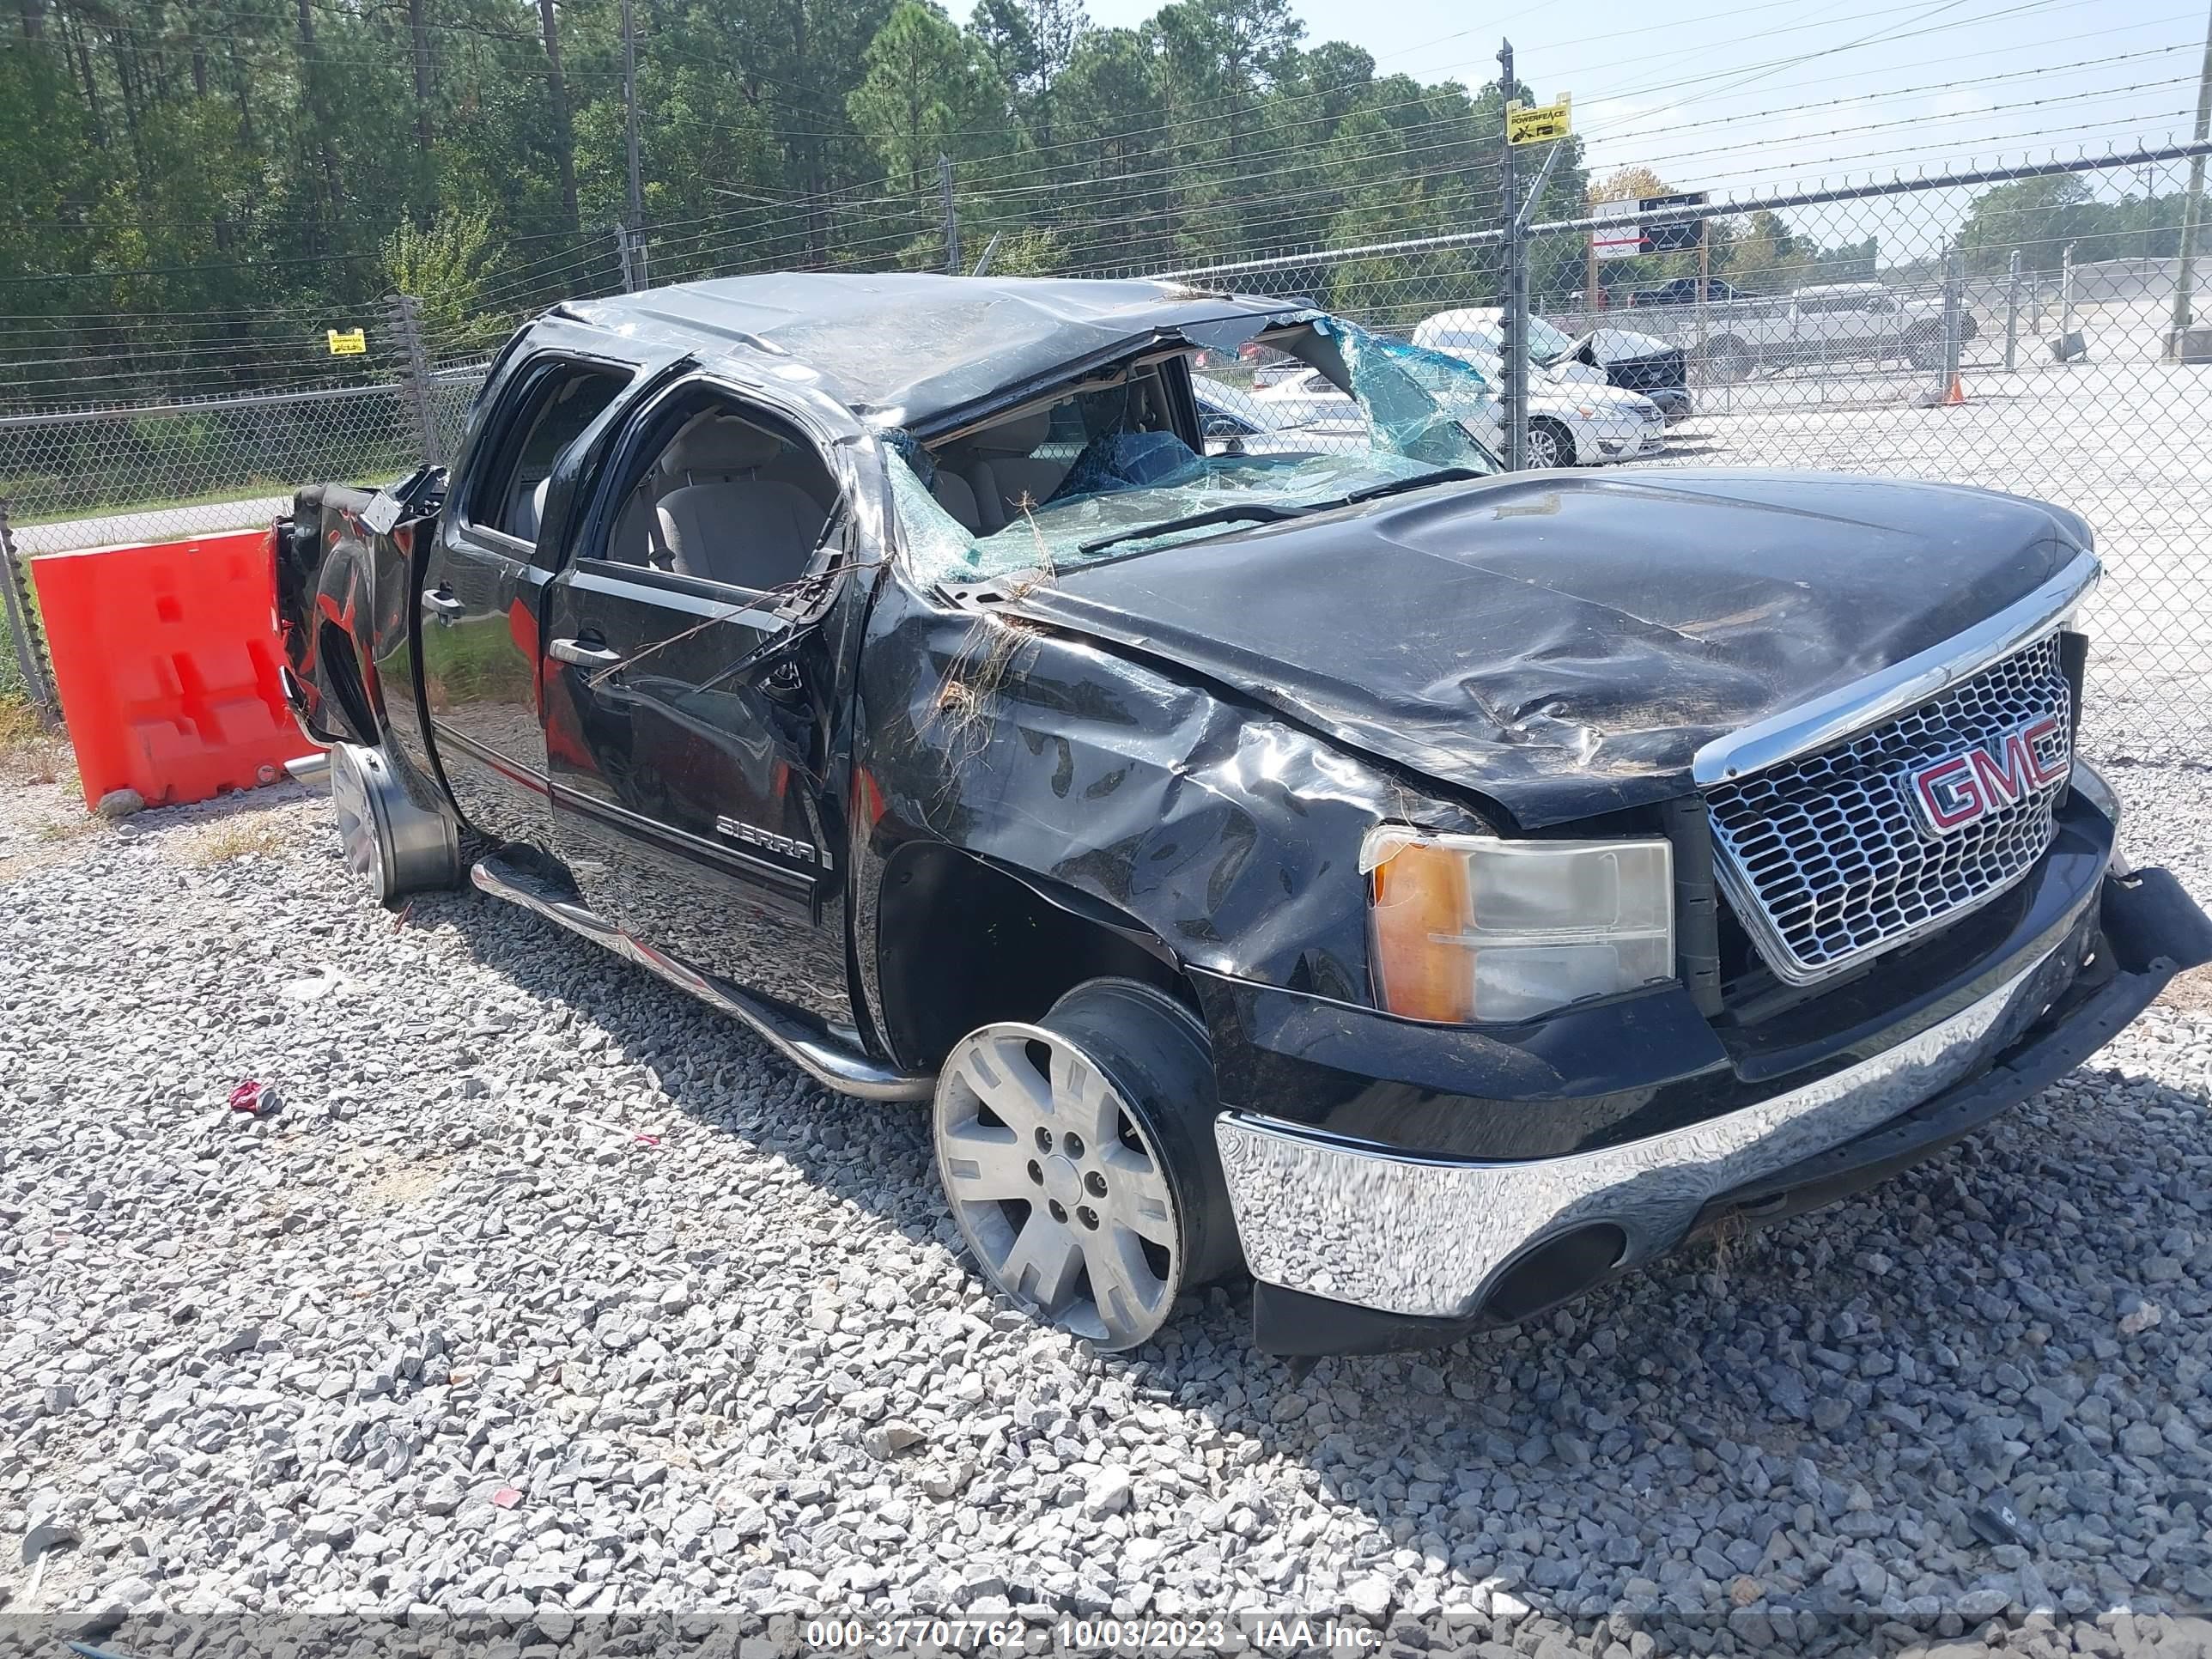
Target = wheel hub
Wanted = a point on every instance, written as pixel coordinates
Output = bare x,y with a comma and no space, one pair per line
1063,1181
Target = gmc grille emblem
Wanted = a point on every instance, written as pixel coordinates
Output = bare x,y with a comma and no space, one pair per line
1960,790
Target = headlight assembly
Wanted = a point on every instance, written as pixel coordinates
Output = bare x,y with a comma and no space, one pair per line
1473,930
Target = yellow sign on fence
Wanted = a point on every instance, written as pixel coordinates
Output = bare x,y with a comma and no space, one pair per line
1538,124
350,344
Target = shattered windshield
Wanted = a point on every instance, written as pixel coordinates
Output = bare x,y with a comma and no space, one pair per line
1104,472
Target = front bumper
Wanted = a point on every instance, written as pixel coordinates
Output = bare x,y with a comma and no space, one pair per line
1359,1248
1625,440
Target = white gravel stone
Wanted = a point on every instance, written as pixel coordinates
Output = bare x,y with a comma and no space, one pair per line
448,1334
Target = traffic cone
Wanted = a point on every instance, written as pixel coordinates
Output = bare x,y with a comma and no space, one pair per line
1955,394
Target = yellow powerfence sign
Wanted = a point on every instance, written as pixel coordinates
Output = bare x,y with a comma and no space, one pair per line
1538,124
351,342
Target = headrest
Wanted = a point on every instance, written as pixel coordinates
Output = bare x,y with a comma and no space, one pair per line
1017,436
719,444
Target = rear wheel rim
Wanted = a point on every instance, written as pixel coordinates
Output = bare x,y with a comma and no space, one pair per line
1543,447
362,846
1056,1186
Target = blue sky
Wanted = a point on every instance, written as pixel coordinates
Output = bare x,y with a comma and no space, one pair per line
1750,97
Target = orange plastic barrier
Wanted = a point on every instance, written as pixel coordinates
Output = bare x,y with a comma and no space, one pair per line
166,658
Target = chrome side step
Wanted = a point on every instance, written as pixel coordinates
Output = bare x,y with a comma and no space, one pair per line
828,1062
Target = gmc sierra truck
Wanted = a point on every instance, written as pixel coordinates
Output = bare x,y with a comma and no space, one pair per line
1426,890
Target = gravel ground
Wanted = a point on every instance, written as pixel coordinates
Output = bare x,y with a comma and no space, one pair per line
544,1294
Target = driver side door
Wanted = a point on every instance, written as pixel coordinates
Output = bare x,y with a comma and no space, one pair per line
687,730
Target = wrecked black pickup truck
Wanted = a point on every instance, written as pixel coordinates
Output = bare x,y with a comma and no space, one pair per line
1426,890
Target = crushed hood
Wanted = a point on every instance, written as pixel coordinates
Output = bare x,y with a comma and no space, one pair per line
1563,645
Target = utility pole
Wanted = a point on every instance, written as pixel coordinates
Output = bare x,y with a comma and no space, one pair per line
1512,344
951,218
629,107
2193,208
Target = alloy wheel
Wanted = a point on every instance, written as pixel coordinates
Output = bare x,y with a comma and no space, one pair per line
359,838
1055,1185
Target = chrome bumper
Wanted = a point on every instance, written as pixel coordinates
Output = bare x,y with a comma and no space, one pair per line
1428,1238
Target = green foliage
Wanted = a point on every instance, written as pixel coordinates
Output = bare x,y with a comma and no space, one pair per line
444,265
2042,217
195,190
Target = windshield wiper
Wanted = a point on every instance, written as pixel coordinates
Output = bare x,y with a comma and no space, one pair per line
1256,512
1442,475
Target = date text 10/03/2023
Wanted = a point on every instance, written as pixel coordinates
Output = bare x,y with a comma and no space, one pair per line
1295,1633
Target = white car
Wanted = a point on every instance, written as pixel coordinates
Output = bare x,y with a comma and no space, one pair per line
1642,363
1238,422
1570,424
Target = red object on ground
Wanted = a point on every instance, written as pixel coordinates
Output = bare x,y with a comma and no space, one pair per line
255,1096
165,657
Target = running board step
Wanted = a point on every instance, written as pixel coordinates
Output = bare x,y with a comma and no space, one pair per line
833,1064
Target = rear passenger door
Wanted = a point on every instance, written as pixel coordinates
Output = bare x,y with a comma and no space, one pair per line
481,587
687,733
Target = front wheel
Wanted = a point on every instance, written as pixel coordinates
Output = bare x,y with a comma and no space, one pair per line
1925,351
1078,1156
1548,445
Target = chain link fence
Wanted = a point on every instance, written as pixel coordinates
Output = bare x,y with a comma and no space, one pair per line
95,478
2012,329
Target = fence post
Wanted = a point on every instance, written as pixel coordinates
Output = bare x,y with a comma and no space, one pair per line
2012,309
415,373
622,253
23,629
1953,276
952,217
1513,333
2066,302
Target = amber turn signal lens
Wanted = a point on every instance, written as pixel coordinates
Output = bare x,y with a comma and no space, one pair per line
1419,910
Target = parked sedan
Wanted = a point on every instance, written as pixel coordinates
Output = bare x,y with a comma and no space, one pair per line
1649,367
1568,426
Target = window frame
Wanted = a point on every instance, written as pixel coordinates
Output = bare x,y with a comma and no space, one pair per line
637,430
528,377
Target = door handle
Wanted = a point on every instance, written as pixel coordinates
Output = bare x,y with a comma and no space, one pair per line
582,652
439,602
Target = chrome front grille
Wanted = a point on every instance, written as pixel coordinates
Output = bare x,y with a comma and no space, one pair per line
1827,860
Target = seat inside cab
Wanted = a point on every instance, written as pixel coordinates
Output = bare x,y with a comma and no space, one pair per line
987,477
729,500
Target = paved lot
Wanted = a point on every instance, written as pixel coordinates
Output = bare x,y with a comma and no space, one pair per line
546,1295
2121,439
